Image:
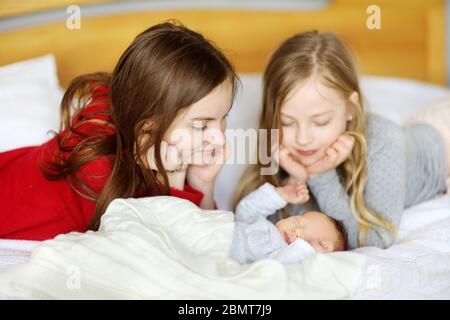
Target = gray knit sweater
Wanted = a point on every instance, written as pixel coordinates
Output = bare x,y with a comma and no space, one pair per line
405,166
257,238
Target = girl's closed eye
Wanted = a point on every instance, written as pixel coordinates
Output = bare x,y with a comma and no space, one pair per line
322,123
199,125
287,123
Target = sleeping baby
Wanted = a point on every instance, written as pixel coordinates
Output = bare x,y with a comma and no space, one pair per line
292,239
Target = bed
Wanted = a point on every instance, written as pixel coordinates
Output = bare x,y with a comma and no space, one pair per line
396,83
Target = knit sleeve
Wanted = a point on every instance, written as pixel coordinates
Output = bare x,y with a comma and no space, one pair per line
262,202
385,185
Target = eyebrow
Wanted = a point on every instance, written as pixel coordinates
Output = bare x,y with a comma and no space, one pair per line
313,116
321,114
202,119
209,118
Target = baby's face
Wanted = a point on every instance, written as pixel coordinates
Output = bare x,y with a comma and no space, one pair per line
313,227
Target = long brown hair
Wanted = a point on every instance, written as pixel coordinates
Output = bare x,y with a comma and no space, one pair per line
297,59
164,70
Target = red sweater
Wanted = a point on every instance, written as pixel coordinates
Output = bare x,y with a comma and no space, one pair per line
34,208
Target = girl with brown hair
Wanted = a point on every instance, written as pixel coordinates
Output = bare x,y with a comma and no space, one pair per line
125,134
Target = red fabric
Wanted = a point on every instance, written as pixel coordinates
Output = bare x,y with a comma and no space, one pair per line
34,208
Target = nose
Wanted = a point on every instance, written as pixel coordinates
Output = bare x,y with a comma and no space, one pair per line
304,136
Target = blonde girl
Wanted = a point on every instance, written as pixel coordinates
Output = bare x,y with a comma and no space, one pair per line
361,169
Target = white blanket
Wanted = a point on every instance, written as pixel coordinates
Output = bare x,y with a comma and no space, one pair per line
418,268
164,248
13,252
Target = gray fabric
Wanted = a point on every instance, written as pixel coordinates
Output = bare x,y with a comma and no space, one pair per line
257,238
405,166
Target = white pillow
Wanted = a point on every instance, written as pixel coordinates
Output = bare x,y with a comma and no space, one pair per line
29,102
399,99
395,98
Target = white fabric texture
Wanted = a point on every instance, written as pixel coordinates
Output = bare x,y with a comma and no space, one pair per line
418,268
168,248
13,252
29,102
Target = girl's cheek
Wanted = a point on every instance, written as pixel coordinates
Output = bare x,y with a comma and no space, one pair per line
192,138
288,138
197,142
328,137
175,136
339,129
183,138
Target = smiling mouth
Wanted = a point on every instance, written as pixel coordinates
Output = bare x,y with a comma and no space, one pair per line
306,153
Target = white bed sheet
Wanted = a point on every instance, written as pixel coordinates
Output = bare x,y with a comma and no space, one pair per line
13,252
417,269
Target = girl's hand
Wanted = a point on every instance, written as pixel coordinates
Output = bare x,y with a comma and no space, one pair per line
336,154
294,193
296,171
202,176
210,166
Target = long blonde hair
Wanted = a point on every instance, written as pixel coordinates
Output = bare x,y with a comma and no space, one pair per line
297,59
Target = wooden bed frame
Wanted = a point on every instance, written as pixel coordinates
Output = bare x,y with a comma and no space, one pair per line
410,43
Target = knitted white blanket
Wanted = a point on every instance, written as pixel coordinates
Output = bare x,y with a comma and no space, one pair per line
167,248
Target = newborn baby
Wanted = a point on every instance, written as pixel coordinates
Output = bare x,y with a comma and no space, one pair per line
289,241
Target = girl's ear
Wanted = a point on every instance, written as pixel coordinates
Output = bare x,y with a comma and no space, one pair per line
354,97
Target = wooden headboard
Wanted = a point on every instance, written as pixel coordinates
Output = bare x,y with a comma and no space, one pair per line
410,43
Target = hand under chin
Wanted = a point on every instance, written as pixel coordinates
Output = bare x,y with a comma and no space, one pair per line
306,161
